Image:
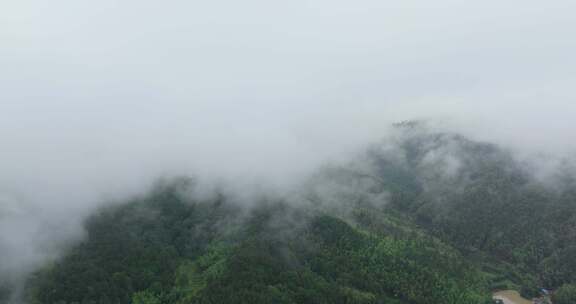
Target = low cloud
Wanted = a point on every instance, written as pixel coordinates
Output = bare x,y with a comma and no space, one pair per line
99,99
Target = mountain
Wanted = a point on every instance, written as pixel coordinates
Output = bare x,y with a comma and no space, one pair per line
421,217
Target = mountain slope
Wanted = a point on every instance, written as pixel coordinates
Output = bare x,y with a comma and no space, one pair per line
477,197
276,254
423,217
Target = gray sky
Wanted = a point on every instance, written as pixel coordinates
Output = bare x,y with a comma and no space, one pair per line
99,97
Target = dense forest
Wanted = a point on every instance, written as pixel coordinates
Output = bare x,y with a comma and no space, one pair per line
422,218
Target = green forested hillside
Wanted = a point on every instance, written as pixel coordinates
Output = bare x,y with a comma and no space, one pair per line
499,212
423,218
167,249
491,204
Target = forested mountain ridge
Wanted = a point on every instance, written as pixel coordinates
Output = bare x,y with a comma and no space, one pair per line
276,254
423,217
478,198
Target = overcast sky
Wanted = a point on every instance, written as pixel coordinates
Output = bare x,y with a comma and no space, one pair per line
102,96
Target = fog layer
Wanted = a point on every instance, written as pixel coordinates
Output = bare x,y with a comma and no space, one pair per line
97,99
